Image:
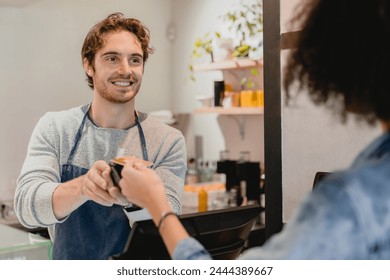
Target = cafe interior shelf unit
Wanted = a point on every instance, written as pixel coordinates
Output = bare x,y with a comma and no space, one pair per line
231,111
236,113
234,71
234,64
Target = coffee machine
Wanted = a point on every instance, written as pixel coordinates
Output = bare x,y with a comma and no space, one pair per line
249,172
241,172
229,167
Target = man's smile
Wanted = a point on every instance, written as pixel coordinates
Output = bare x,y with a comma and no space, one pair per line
123,83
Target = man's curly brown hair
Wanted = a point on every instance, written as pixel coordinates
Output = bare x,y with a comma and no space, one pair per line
94,40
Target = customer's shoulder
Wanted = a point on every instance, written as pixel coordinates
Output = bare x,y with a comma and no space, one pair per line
371,179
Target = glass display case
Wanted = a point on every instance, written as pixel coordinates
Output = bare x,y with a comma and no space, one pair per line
17,244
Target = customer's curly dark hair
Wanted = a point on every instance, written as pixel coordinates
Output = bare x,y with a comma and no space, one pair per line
94,40
343,54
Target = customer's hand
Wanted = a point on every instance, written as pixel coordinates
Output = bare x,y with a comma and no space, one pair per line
97,185
141,185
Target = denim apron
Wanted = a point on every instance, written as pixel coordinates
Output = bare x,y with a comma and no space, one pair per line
92,231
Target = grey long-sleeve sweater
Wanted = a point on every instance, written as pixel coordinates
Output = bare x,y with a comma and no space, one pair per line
49,149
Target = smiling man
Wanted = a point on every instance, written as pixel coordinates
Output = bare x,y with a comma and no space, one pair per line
65,182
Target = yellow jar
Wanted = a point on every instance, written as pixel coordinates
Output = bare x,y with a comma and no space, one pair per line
236,99
258,98
246,98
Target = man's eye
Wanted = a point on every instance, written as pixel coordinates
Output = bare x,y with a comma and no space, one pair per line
136,60
112,59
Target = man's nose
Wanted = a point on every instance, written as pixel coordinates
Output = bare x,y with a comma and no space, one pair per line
124,68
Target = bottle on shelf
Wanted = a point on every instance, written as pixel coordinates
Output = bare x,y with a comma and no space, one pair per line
192,176
233,197
219,90
202,200
244,199
208,172
200,167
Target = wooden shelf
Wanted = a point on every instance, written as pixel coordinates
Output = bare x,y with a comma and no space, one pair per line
231,111
236,64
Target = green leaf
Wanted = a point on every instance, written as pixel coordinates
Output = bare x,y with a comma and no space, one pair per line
254,71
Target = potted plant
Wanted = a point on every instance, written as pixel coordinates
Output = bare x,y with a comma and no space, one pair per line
246,24
202,46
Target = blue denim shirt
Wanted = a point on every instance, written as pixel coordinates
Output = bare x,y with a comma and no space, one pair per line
347,216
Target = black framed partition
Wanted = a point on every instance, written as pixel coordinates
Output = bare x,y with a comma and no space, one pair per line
272,118
274,43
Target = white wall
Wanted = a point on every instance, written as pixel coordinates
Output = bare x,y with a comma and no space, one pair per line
10,75
41,68
313,139
193,19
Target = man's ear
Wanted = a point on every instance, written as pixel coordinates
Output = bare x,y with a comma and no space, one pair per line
87,67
